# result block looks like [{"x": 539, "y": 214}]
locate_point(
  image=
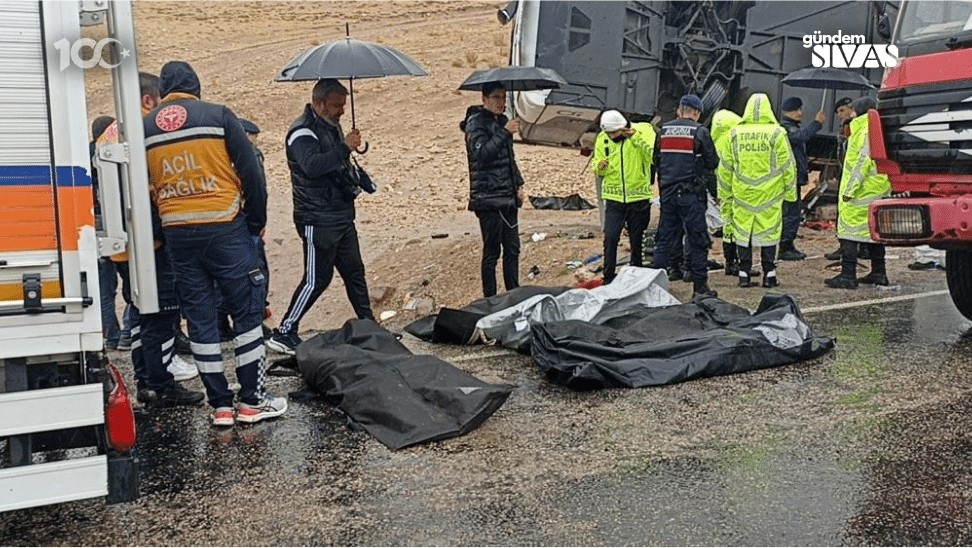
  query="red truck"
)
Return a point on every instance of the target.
[{"x": 921, "y": 137}]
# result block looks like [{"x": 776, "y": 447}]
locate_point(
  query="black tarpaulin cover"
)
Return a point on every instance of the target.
[
  {"x": 673, "y": 344},
  {"x": 399, "y": 398},
  {"x": 453, "y": 326},
  {"x": 574, "y": 202}
]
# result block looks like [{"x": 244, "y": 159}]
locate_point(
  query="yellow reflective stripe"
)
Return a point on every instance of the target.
[
  {"x": 772, "y": 153},
  {"x": 209, "y": 216},
  {"x": 741, "y": 231},
  {"x": 856, "y": 176},
  {"x": 757, "y": 209},
  {"x": 867, "y": 201},
  {"x": 183, "y": 133},
  {"x": 776, "y": 228}
]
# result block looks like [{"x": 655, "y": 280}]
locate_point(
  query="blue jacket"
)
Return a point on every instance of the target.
[{"x": 798, "y": 143}]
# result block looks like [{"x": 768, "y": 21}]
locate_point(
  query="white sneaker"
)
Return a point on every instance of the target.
[
  {"x": 268, "y": 408},
  {"x": 181, "y": 369}
]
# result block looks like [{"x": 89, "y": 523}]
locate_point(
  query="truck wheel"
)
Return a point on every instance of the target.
[{"x": 958, "y": 272}]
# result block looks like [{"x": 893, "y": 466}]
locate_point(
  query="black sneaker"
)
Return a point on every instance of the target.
[
  {"x": 285, "y": 343},
  {"x": 177, "y": 395}
]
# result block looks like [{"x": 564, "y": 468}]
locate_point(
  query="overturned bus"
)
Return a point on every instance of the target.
[{"x": 640, "y": 57}]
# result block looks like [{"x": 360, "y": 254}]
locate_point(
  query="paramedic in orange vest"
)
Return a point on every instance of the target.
[{"x": 212, "y": 200}]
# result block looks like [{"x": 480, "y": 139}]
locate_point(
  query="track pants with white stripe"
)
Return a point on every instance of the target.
[{"x": 327, "y": 248}]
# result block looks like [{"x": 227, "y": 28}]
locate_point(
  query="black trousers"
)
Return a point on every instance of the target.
[
  {"x": 767, "y": 257},
  {"x": 635, "y": 217},
  {"x": 848, "y": 258},
  {"x": 687, "y": 210},
  {"x": 791, "y": 224},
  {"x": 327, "y": 248},
  {"x": 500, "y": 230}
]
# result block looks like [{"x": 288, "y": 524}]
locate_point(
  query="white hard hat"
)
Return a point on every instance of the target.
[{"x": 612, "y": 120}]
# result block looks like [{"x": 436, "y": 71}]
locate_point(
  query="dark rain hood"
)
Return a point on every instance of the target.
[
  {"x": 473, "y": 109},
  {"x": 178, "y": 77}
]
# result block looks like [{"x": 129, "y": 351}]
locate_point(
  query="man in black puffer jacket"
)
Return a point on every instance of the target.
[
  {"x": 495, "y": 185},
  {"x": 318, "y": 154}
]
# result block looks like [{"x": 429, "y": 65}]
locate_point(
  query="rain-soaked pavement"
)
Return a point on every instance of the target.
[{"x": 868, "y": 445}]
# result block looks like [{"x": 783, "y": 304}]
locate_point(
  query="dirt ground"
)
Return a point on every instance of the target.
[{"x": 421, "y": 247}]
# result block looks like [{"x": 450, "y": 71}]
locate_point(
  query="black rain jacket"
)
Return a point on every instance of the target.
[{"x": 493, "y": 175}]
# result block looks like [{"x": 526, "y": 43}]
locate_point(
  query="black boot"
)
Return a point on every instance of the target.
[
  {"x": 732, "y": 260},
  {"x": 847, "y": 279},
  {"x": 878, "y": 274},
  {"x": 833, "y": 255},
  {"x": 790, "y": 253},
  {"x": 675, "y": 274},
  {"x": 745, "y": 280},
  {"x": 770, "y": 280},
  {"x": 701, "y": 290}
]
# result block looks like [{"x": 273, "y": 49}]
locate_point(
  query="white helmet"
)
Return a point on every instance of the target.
[{"x": 612, "y": 120}]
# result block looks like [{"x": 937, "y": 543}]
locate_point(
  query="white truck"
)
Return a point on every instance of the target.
[{"x": 67, "y": 430}]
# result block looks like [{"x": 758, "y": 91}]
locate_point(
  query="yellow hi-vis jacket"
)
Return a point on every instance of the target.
[
  {"x": 762, "y": 174},
  {"x": 627, "y": 177},
  {"x": 860, "y": 184},
  {"x": 722, "y": 122}
]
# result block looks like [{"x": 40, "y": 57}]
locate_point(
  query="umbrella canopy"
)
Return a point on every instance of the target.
[
  {"x": 826, "y": 78},
  {"x": 515, "y": 79},
  {"x": 349, "y": 58}
]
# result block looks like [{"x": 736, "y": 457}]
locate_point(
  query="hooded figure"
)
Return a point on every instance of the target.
[
  {"x": 722, "y": 122},
  {"x": 762, "y": 174},
  {"x": 212, "y": 200}
]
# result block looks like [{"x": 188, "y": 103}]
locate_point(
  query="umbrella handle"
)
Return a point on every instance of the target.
[{"x": 362, "y": 150}]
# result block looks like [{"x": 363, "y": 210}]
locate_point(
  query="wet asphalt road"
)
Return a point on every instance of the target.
[{"x": 868, "y": 445}]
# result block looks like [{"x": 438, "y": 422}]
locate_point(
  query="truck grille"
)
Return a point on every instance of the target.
[{"x": 928, "y": 128}]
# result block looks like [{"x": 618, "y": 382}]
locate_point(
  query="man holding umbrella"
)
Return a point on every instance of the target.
[
  {"x": 495, "y": 185},
  {"x": 792, "y": 116},
  {"x": 318, "y": 154}
]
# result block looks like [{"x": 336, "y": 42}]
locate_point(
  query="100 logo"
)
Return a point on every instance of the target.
[{"x": 72, "y": 52}]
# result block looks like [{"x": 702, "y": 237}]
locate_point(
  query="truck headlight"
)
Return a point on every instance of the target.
[{"x": 902, "y": 222}]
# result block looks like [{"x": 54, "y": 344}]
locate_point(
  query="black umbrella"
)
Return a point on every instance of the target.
[
  {"x": 515, "y": 79},
  {"x": 349, "y": 58},
  {"x": 826, "y": 78}
]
